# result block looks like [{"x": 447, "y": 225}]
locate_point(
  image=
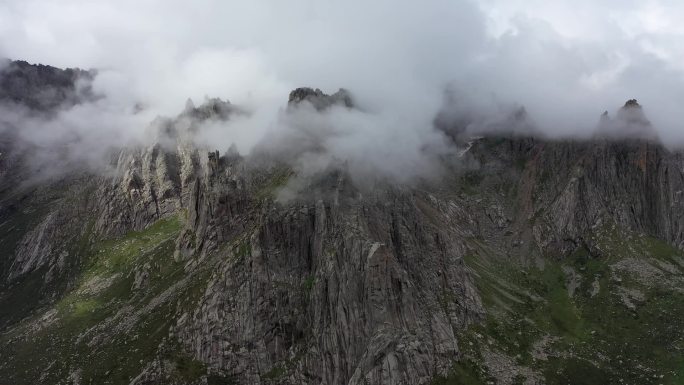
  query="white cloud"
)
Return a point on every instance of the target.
[{"x": 566, "y": 61}]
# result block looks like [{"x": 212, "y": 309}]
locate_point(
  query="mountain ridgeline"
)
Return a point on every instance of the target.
[{"x": 529, "y": 261}]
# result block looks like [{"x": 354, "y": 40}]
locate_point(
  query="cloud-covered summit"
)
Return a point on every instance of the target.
[{"x": 561, "y": 63}]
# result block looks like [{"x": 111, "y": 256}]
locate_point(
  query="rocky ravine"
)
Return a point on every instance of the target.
[{"x": 530, "y": 261}]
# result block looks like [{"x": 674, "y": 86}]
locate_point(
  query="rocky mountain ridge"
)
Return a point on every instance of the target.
[
  {"x": 41, "y": 88},
  {"x": 184, "y": 267}
]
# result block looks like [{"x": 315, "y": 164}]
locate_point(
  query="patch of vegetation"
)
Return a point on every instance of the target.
[
  {"x": 466, "y": 372},
  {"x": 244, "y": 248},
  {"x": 275, "y": 373},
  {"x": 576, "y": 372},
  {"x": 21, "y": 297},
  {"x": 470, "y": 182},
  {"x": 104, "y": 326},
  {"x": 185, "y": 368},
  {"x": 308, "y": 284},
  {"x": 593, "y": 336},
  {"x": 217, "y": 379},
  {"x": 273, "y": 183},
  {"x": 118, "y": 254},
  {"x": 521, "y": 163},
  {"x": 544, "y": 176}
]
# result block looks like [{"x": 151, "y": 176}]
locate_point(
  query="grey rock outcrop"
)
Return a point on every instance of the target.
[
  {"x": 571, "y": 187},
  {"x": 155, "y": 182},
  {"x": 337, "y": 291}
]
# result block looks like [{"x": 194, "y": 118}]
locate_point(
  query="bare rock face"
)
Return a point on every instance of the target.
[
  {"x": 146, "y": 188},
  {"x": 37, "y": 247},
  {"x": 153, "y": 182},
  {"x": 572, "y": 187},
  {"x": 332, "y": 290}
]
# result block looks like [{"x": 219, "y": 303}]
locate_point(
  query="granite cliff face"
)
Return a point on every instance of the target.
[{"x": 529, "y": 261}]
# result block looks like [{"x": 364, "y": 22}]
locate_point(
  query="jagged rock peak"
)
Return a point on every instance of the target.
[
  {"x": 630, "y": 122},
  {"x": 319, "y": 99},
  {"x": 212, "y": 108},
  {"x": 303, "y": 93},
  {"x": 189, "y": 105},
  {"x": 632, "y": 103},
  {"x": 214, "y": 159},
  {"x": 633, "y": 113}
]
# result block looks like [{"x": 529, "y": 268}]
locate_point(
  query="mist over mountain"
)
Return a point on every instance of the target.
[
  {"x": 73, "y": 128},
  {"x": 563, "y": 64},
  {"x": 386, "y": 193}
]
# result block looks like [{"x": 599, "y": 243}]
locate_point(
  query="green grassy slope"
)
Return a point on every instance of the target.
[
  {"x": 106, "y": 328},
  {"x": 613, "y": 319}
]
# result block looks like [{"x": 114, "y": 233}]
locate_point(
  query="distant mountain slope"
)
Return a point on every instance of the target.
[{"x": 42, "y": 87}]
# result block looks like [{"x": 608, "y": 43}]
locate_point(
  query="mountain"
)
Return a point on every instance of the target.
[
  {"x": 40, "y": 87},
  {"x": 530, "y": 261}
]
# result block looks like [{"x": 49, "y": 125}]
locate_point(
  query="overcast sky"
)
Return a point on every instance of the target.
[{"x": 565, "y": 61}]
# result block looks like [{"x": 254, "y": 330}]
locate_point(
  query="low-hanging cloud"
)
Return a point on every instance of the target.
[{"x": 565, "y": 62}]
